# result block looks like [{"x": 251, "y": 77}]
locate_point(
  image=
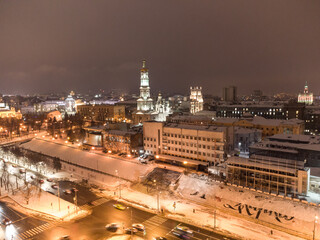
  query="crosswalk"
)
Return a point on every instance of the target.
[
  {"x": 94, "y": 203},
  {"x": 154, "y": 222},
  {"x": 37, "y": 230}
]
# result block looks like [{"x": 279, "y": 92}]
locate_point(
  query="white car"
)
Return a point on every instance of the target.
[{"x": 138, "y": 226}]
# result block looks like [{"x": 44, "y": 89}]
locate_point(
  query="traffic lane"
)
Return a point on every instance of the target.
[
  {"x": 93, "y": 225},
  {"x": 67, "y": 191},
  {"x": 20, "y": 222},
  {"x": 11, "y": 214}
]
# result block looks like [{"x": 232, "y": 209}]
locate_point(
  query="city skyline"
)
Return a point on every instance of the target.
[{"x": 51, "y": 47}]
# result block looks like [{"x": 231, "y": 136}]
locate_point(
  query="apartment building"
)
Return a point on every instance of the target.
[{"x": 102, "y": 113}]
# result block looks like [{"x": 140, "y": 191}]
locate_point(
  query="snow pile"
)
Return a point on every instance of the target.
[
  {"x": 127, "y": 170},
  {"x": 246, "y": 203}
]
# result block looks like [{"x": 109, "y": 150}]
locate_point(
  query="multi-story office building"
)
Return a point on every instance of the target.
[
  {"x": 302, "y": 148},
  {"x": 269, "y": 110},
  {"x": 102, "y": 113},
  {"x": 269, "y": 174},
  {"x": 194, "y": 144}
]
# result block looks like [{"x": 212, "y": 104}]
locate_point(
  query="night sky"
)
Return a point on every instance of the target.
[{"x": 49, "y": 45}]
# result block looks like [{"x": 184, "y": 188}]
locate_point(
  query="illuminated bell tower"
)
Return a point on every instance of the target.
[{"x": 144, "y": 103}]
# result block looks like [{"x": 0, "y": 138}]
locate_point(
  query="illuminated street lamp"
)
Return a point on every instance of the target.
[{"x": 314, "y": 227}]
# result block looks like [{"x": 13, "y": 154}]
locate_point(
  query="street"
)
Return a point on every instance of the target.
[{"x": 93, "y": 226}]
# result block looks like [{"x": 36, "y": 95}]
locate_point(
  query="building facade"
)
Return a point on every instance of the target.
[
  {"x": 305, "y": 97},
  {"x": 196, "y": 145},
  {"x": 196, "y": 100},
  {"x": 146, "y": 110},
  {"x": 229, "y": 94},
  {"x": 102, "y": 113},
  {"x": 269, "y": 174}
]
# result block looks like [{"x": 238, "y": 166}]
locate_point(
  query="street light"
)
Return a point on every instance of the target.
[
  {"x": 314, "y": 227},
  {"x": 158, "y": 199},
  {"x": 119, "y": 186},
  {"x": 131, "y": 232}
]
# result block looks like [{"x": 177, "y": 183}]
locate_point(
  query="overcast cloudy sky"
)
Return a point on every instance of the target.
[{"x": 49, "y": 45}]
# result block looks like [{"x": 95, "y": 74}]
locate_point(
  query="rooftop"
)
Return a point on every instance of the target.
[{"x": 195, "y": 127}]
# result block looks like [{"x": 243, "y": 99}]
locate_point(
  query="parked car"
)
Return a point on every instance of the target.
[
  {"x": 22, "y": 170},
  {"x": 54, "y": 186}
]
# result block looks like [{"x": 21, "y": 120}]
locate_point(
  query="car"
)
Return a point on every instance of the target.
[
  {"x": 74, "y": 189},
  {"x": 22, "y": 170},
  {"x": 113, "y": 227},
  {"x": 50, "y": 180},
  {"x": 13, "y": 165},
  {"x": 159, "y": 238},
  {"x": 32, "y": 177},
  {"x": 41, "y": 181},
  {"x": 6, "y": 221},
  {"x": 138, "y": 226},
  {"x": 184, "y": 229},
  {"x": 54, "y": 186},
  {"x": 119, "y": 206},
  {"x": 67, "y": 191},
  {"x": 131, "y": 230},
  {"x": 66, "y": 237},
  {"x": 181, "y": 234}
]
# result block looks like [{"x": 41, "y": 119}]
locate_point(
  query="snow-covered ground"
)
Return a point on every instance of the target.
[
  {"x": 113, "y": 166},
  {"x": 242, "y": 202},
  {"x": 203, "y": 216},
  {"x": 239, "y": 211}
]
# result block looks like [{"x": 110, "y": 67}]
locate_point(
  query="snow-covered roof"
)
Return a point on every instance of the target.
[
  {"x": 121, "y": 133},
  {"x": 298, "y": 138},
  {"x": 257, "y": 120},
  {"x": 98, "y": 162}
]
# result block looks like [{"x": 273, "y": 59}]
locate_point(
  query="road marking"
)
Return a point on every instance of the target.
[
  {"x": 154, "y": 221},
  {"x": 95, "y": 203},
  {"x": 37, "y": 230}
]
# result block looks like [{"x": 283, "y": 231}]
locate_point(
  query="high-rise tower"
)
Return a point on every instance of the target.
[
  {"x": 145, "y": 102},
  {"x": 196, "y": 100}
]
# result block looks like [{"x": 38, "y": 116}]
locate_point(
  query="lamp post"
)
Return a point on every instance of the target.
[
  {"x": 131, "y": 232},
  {"x": 158, "y": 197},
  {"x": 59, "y": 195},
  {"x": 314, "y": 227},
  {"x": 119, "y": 186}
]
